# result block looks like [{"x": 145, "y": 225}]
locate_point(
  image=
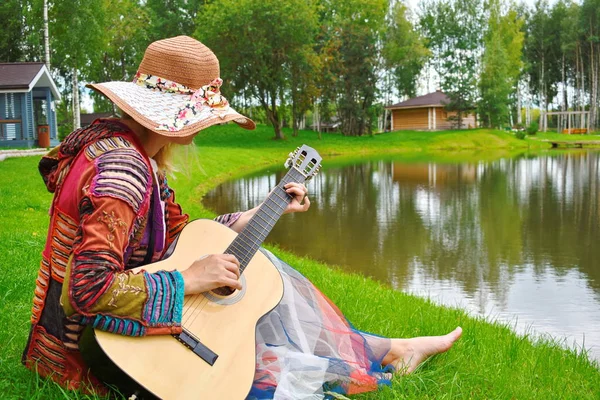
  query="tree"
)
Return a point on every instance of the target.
[
  {"x": 122, "y": 46},
  {"x": 454, "y": 36},
  {"x": 404, "y": 54},
  {"x": 589, "y": 21},
  {"x": 259, "y": 44},
  {"x": 170, "y": 18},
  {"x": 32, "y": 40},
  {"x": 76, "y": 42},
  {"x": 501, "y": 64},
  {"x": 11, "y": 16},
  {"x": 46, "y": 36},
  {"x": 564, "y": 15},
  {"x": 404, "y": 51},
  {"x": 542, "y": 54},
  {"x": 20, "y": 36},
  {"x": 305, "y": 66},
  {"x": 352, "y": 40},
  {"x": 494, "y": 84}
]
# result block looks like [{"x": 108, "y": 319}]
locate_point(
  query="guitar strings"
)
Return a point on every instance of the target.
[
  {"x": 195, "y": 304},
  {"x": 191, "y": 307}
]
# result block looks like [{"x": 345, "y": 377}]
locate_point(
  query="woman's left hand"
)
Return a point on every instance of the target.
[{"x": 300, "y": 202}]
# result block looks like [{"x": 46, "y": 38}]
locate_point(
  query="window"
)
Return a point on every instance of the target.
[
  {"x": 10, "y": 109},
  {"x": 12, "y": 106}
]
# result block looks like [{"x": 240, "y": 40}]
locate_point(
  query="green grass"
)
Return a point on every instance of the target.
[
  {"x": 564, "y": 137},
  {"x": 489, "y": 362}
]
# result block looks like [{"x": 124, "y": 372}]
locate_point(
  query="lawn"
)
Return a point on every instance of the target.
[
  {"x": 489, "y": 362},
  {"x": 563, "y": 137}
]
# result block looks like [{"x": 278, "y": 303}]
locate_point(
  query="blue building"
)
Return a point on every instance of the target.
[{"x": 27, "y": 105}]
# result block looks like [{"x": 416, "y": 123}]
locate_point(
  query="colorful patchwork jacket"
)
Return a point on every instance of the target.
[{"x": 111, "y": 212}]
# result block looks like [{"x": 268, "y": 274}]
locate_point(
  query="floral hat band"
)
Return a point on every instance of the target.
[
  {"x": 208, "y": 95},
  {"x": 179, "y": 108}
]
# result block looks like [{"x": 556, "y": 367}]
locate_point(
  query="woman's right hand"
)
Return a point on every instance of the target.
[{"x": 211, "y": 272}]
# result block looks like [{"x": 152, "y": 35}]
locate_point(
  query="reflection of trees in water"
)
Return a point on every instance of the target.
[
  {"x": 562, "y": 215},
  {"x": 472, "y": 224}
]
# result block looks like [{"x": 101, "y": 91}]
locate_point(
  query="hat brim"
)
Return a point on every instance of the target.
[{"x": 152, "y": 108}]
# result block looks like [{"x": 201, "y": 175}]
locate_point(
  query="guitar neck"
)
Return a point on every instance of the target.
[{"x": 248, "y": 241}]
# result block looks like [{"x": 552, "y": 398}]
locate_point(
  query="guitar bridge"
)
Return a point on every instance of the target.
[{"x": 197, "y": 347}]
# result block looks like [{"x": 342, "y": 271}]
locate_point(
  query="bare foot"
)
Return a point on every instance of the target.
[{"x": 406, "y": 354}]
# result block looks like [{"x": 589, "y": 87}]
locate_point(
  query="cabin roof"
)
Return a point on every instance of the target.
[
  {"x": 435, "y": 99},
  {"x": 24, "y": 76},
  {"x": 18, "y": 75}
]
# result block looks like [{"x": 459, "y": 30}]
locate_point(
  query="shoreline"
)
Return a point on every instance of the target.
[
  {"x": 315, "y": 270},
  {"x": 489, "y": 361}
]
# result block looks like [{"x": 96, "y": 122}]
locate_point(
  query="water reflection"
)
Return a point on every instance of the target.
[{"x": 514, "y": 239}]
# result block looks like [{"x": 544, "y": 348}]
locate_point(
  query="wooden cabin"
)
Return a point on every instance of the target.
[
  {"x": 427, "y": 113},
  {"x": 27, "y": 106}
]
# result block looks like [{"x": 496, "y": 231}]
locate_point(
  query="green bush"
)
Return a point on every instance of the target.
[
  {"x": 520, "y": 134},
  {"x": 532, "y": 129}
]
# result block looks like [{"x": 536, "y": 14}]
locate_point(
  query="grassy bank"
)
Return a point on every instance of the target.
[
  {"x": 490, "y": 361},
  {"x": 564, "y": 137}
]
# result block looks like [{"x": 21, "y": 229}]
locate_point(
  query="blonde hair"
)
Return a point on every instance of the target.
[{"x": 164, "y": 157}]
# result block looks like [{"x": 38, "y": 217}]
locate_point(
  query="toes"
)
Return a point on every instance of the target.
[{"x": 455, "y": 334}]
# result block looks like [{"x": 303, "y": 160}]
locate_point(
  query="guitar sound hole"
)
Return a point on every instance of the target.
[{"x": 224, "y": 291}]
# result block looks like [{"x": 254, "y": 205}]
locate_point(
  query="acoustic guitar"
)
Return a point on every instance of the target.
[{"x": 214, "y": 356}]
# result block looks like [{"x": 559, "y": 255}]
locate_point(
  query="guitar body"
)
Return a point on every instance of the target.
[{"x": 225, "y": 325}]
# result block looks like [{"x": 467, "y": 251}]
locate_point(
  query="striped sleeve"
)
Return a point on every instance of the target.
[
  {"x": 228, "y": 219},
  {"x": 97, "y": 289}
]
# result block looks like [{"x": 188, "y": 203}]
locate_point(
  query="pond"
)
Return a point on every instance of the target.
[{"x": 517, "y": 239}]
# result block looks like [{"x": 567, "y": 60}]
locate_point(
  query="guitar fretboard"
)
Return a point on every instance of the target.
[{"x": 248, "y": 241}]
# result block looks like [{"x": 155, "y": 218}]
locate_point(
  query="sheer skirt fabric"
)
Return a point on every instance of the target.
[{"x": 307, "y": 349}]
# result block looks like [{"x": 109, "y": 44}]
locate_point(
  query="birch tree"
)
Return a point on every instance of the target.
[
  {"x": 542, "y": 52},
  {"x": 46, "y": 36},
  {"x": 589, "y": 20},
  {"x": 77, "y": 27}
]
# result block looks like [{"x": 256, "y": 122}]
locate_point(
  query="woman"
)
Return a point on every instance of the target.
[{"x": 113, "y": 210}]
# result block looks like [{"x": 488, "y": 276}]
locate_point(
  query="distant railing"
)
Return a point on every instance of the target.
[{"x": 11, "y": 129}]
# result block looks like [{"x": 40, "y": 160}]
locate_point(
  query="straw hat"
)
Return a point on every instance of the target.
[{"x": 176, "y": 90}]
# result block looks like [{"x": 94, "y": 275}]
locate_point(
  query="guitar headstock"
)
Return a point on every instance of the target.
[{"x": 305, "y": 160}]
